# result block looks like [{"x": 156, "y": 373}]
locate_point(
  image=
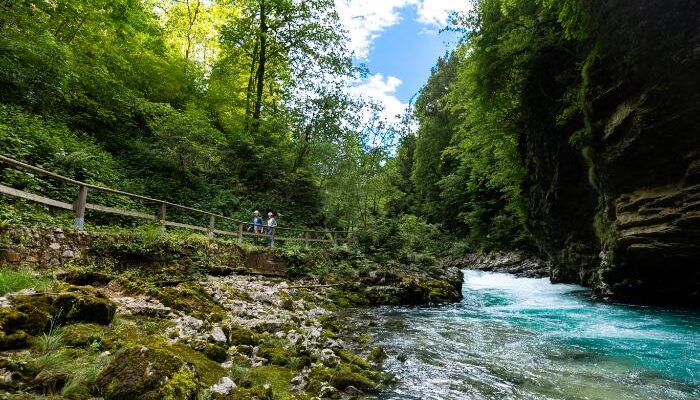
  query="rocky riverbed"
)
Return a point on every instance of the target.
[
  {"x": 220, "y": 337},
  {"x": 151, "y": 316}
]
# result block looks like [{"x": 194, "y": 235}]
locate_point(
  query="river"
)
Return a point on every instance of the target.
[{"x": 520, "y": 338}]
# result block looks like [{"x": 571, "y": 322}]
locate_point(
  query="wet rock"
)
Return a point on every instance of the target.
[{"x": 378, "y": 355}]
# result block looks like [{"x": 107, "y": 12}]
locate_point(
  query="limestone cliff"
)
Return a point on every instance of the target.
[
  {"x": 644, "y": 116},
  {"x": 623, "y": 214}
]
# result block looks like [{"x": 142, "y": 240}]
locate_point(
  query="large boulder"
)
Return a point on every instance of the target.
[
  {"x": 31, "y": 313},
  {"x": 144, "y": 373}
]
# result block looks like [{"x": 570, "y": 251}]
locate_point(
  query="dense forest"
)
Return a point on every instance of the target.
[
  {"x": 225, "y": 105},
  {"x": 530, "y": 134},
  {"x": 235, "y": 105}
]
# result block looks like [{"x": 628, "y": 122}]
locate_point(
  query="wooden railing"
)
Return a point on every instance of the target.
[{"x": 80, "y": 205}]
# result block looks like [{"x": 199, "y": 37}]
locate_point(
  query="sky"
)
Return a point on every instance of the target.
[{"x": 399, "y": 41}]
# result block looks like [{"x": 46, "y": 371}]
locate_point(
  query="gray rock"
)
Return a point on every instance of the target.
[
  {"x": 218, "y": 335},
  {"x": 225, "y": 386}
]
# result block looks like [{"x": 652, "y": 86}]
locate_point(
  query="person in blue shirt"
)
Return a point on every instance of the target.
[{"x": 257, "y": 226}]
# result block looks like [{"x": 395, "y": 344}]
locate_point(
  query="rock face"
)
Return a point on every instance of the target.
[
  {"x": 645, "y": 121},
  {"x": 623, "y": 215},
  {"x": 515, "y": 263}
]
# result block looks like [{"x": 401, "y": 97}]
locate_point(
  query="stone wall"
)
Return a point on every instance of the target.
[{"x": 46, "y": 248}]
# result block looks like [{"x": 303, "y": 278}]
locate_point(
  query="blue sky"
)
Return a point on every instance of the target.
[
  {"x": 408, "y": 51},
  {"x": 399, "y": 42}
]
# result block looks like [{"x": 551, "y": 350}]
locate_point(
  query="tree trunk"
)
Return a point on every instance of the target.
[
  {"x": 251, "y": 86},
  {"x": 260, "y": 76},
  {"x": 191, "y": 19}
]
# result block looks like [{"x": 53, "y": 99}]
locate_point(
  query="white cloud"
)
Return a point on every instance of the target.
[
  {"x": 437, "y": 12},
  {"x": 366, "y": 19},
  {"x": 383, "y": 91}
]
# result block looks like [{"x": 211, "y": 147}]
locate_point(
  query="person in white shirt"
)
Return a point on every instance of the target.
[{"x": 271, "y": 224}]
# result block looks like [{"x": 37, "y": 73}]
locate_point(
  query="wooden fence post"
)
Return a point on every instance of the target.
[
  {"x": 240, "y": 232},
  {"x": 212, "y": 222},
  {"x": 306, "y": 238},
  {"x": 335, "y": 238},
  {"x": 79, "y": 208},
  {"x": 161, "y": 216}
]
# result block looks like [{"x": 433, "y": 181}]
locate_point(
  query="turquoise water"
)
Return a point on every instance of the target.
[{"x": 519, "y": 338}]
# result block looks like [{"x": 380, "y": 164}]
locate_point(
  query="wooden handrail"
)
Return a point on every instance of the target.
[{"x": 81, "y": 205}]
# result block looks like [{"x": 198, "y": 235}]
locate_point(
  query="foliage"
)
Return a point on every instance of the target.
[
  {"x": 466, "y": 170},
  {"x": 225, "y": 106}
]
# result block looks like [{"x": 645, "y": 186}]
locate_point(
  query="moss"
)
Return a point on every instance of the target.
[
  {"x": 243, "y": 336},
  {"x": 238, "y": 294},
  {"x": 12, "y": 320},
  {"x": 208, "y": 372},
  {"x": 328, "y": 334},
  {"x": 251, "y": 393},
  {"x": 84, "y": 304},
  {"x": 344, "y": 377},
  {"x": 191, "y": 297},
  {"x": 16, "y": 340},
  {"x": 215, "y": 352},
  {"x": 84, "y": 335},
  {"x": 278, "y": 379},
  {"x": 137, "y": 373},
  {"x": 352, "y": 359},
  {"x": 72, "y": 304},
  {"x": 181, "y": 386},
  {"x": 276, "y": 353},
  {"x": 377, "y": 355},
  {"x": 344, "y": 298}
]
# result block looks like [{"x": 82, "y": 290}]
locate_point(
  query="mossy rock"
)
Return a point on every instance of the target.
[
  {"x": 84, "y": 335},
  {"x": 352, "y": 359},
  {"x": 378, "y": 355},
  {"x": 72, "y": 304},
  {"x": 12, "y": 320},
  {"x": 192, "y": 298},
  {"x": 344, "y": 377},
  {"x": 215, "y": 352},
  {"x": 243, "y": 336},
  {"x": 182, "y": 385},
  {"x": 252, "y": 393},
  {"x": 275, "y": 352},
  {"x": 85, "y": 304},
  {"x": 15, "y": 340},
  {"x": 29, "y": 313},
  {"x": 138, "y": 372}
]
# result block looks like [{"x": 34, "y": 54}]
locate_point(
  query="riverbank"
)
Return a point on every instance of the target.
[
  {"x": 517, "y": 263},
  {"x": 149, "y": 315}
]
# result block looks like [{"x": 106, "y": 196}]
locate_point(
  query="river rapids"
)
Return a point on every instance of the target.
[{"x": 520, "y": 338}]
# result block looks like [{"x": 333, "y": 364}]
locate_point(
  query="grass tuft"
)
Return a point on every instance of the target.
[{"x": 13, "y": 280}]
